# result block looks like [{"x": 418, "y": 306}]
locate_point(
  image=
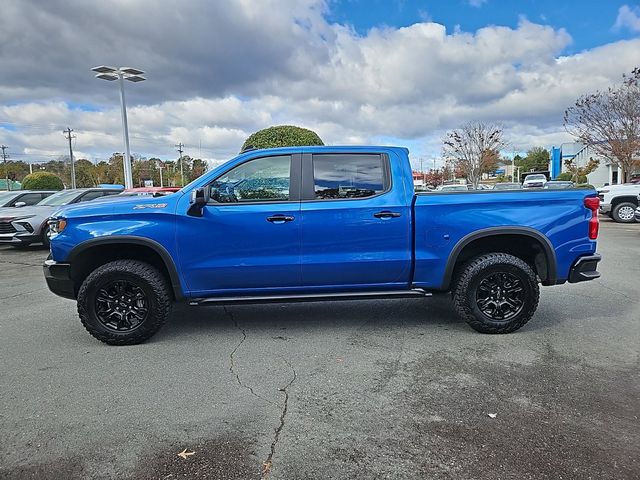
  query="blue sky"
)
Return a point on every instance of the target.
[{"x": 589, "y": 22}]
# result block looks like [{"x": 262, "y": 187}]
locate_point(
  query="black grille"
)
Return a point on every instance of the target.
[{"x": 6, "y": 227}]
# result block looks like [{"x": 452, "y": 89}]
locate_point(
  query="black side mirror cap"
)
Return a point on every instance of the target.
[{"x": 198, "y": 201}]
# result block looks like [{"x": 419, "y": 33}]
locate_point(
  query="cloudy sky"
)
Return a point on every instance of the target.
[{"x": 356, "y": 71}]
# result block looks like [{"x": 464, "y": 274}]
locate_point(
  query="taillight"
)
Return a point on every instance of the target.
[{"x": 593, "y": 203}]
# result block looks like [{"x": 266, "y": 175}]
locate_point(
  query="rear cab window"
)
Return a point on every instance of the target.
[{"x": 349, "y": 176}]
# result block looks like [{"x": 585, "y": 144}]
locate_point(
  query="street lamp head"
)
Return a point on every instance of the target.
[
  {"x": 107, "y": 76},
  {"x": 131, "y": 71},
  {"x": 104, "y": 69},
  {"x": 134, "y": 78}
]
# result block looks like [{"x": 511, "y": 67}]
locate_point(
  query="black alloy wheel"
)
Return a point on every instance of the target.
[
  {"x": 121, "y": 305},
  {"x": 500, "y": 296}
]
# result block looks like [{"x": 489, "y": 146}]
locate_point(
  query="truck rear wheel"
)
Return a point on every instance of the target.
[
  {"x": 496, "y": 293},
  {"x": 124, "y": 302}
]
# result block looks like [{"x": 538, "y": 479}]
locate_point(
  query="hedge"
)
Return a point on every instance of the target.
[
  {"x": 42, "y": 181},
  {"x": 282, "y": 136}
]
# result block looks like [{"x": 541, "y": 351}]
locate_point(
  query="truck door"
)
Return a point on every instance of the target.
[
  {"x": 356, "y": 222},
  {"x": 248, "y": 238}
]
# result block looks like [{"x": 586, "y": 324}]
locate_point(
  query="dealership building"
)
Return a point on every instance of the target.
[{"x": 606, "y": 173}]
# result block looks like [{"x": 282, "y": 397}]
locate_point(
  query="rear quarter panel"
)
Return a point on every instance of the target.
[{"x": 443, "y": 220}]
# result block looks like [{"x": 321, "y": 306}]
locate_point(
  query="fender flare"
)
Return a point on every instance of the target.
[
  {"x": 131, "y": 239},
  {"x": 549, "y": 251}
]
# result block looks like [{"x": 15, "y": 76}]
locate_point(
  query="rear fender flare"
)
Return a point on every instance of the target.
[{"x": 549, "y": 251}]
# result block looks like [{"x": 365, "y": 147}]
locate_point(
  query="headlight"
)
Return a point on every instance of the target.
[
  {"x": 57, "y": 225},
  {"x": 603, "y": 191}
]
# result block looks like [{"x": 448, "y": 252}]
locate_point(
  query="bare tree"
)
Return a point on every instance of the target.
[
  {"x": 609, "y": 122},
  {"x": 474, "y": 149}
]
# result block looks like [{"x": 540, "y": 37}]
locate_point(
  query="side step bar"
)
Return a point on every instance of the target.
[{"x": 313, "y": 297}]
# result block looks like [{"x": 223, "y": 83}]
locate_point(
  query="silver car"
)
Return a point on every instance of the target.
[
  {"x": 26, "y": 225},
  {"x": 23, "y": 198}
]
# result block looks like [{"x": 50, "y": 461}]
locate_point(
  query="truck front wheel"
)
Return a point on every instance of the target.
[
  {"x": 496, "y": 293},
  {"x": 124, "y": 302},
  {"x": 624, "y": 212}
]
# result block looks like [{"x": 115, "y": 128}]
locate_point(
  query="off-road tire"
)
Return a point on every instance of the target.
[
  {"x": 469, "y": 277},
  {"x": 147, "y": 278},
  {"x": 615, "y": 213}
]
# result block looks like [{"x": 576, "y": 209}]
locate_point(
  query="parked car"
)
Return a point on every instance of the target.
[
  {"x": 155, "y": 191},
  {"x": 23, "y": 198},
  {"x": 536, "y": 180},
  {"x": 27, "y": 225},
  {"x": 507, "y": 186},
  {"x": 558, "y": 184},
  {"x": 315, "y": 224},
  {"x": 619, "y": 201},
  {"x": 452, "y": 188}
]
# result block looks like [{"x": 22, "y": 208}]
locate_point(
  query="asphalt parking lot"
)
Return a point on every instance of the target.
[{"x": 395, "y": 389}]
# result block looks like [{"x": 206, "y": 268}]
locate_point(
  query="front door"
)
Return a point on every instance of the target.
[
  {"x": 248, "y": 238},
  {"x": 356, "y": 228}
]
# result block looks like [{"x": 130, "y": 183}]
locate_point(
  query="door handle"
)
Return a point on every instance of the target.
[
  {"x": 386, "y": 214},
  {"x": 280, "y": 219}
]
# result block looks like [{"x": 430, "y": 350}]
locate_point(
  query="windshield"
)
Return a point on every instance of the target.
[
  {"x": 61, "y": 198},
  {"x": 536, "y": 177},
  {"x": 6, "y": 196}
]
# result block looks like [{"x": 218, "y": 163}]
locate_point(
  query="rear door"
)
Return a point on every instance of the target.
[{"x": 356, "y": 221}]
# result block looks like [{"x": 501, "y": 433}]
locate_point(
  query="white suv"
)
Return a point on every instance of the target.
[
  {"x": 537, "y": 180},
  {"x": 619, "y": 201}
]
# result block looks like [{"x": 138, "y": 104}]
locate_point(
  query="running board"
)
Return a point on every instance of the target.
[{"x": 313, "y": 297}]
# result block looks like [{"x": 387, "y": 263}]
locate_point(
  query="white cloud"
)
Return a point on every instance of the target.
[
  {"x": 477, "y": 3},
  {"x": 628, "y": 17},
  {"x": 249, "y": 65}
]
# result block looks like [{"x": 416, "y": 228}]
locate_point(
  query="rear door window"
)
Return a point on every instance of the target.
[{"x": 344, "y": 176}]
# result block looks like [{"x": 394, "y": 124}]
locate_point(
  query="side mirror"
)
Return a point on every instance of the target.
[
  {"x": 198, "y": 201},
  {"x": 19, "y": 204}
]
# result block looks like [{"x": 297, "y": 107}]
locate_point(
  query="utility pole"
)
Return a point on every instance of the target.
[
  {"x": 160, "y": 167},
  {"x": 68, "y": 136},
  {"x": 6, "y": 169},
  {"x": 179, "y": 148}
]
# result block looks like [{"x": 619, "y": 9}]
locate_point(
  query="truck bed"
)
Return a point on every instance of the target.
[{"x": 445, "y": 222}]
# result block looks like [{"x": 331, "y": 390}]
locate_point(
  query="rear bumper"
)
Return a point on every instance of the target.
[
  {"x": 584, "y": 269},
  {"x": 58, "y": 277}
]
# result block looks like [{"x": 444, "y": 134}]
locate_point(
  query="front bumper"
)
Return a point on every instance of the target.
[
  {"x": 19, "y": 239},
  {"x": 584, "y": 269},
  {"x": 605, "y": 207},
  {"x": 58, "y": 277}
]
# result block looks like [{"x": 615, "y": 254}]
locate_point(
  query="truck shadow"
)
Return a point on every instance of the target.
[{"x": 273, "y": 319}]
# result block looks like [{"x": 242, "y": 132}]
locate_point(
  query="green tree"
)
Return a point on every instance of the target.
[
  {"x": 282, "y": 136},
  {"x": 578, "y": 174},
  {"x": 42, "y": 181},
  {"x": 537, "y": 160},
  {"x": 85, "y": 173}
]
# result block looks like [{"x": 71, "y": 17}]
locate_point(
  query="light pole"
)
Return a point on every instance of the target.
[{"x": 133, "y": 75}]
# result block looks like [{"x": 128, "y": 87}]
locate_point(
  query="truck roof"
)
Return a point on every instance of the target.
[{"x": 331, "y": 148}]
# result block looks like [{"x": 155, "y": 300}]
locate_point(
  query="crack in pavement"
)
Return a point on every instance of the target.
[
  {"x": 22, "y": 263},
  {"x": 232, "y": 365},
  {"x": 20, "y": 294},
  {"x": 268, "y": 463}
]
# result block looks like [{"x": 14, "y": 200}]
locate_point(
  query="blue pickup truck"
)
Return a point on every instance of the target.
[{"x": 316, "y": 224}]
